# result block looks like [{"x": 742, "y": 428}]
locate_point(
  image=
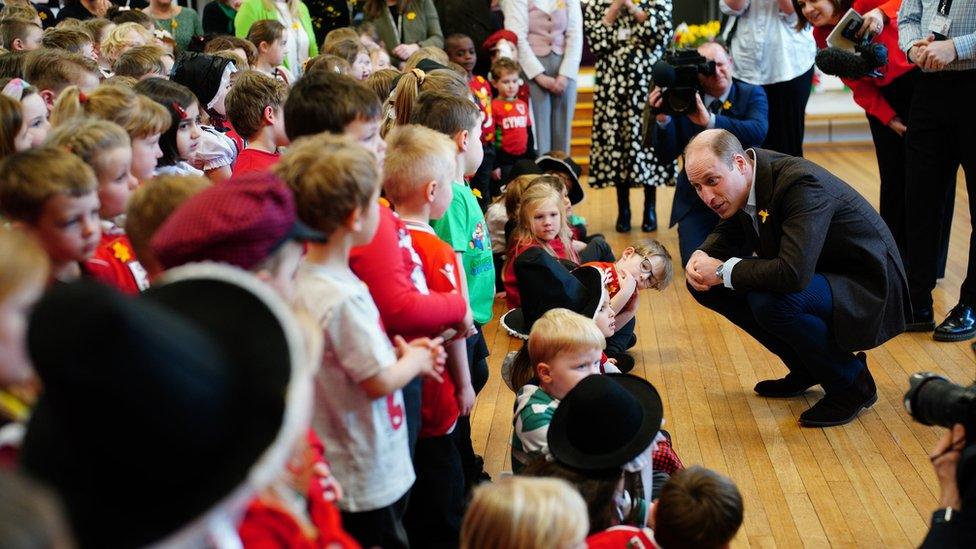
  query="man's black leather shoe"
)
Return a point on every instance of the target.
[
  {"x": 840, "y": 407},
  {"x": 789, "y": 386},
  {"x": 921, "y": 321},
  {"x": 960, "y": 325}
]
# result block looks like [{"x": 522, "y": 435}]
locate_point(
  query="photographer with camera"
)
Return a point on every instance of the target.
[
  {"x": 720, "y": 102},
  {"x": 934, "y": 400},
  {"x": 886, "y": 99},
  {"x": 939, "y": 36}
]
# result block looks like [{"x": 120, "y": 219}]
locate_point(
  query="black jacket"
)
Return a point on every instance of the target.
[{"x": 812, "y": 222}]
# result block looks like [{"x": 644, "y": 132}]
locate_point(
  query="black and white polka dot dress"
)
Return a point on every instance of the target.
[{"x": 625, "y": 53}]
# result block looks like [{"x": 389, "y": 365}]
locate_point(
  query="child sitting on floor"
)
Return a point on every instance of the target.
[
  {"x": 541, "y": 224},
  {"x": 528, "y": 513},
  {"x": 565, "y": 347},
  {"x": 697, "y": 508},
  {"x": 641, "y": 266}
]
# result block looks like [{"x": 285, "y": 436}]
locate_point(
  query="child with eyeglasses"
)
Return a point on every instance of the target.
[{"x": 641, "y": 266}]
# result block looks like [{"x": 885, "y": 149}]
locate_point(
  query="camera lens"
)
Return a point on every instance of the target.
[{"x": 933, "y": 400}]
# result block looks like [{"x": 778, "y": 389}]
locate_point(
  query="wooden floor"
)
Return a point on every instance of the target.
[{"x": 866, "y": 484}]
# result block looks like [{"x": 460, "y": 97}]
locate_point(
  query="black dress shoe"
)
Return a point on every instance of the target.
[
  {"x": 840, "y": 407},
  {"x": 623, "y": 221},
  {"x": 790, "y": 386},
  {"x": 960, "y": 325},
  {"x": 921, "y": 321}
]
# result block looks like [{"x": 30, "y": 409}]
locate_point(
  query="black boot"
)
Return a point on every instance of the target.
[
  {"x": 649, "y": 221},
  {"x": 623, "y": 208}
]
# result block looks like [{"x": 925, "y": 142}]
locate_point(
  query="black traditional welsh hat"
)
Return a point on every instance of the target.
[
  {"x": 162, "y": 415},
  {"x": 569, "y": 167},
  {"x": 546, "y": 283},
  {"x": 605, "y": 422}
]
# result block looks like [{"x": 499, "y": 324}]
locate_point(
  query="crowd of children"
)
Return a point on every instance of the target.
[{"x": 384, "y": 210}]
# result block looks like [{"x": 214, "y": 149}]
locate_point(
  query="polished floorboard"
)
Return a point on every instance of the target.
[{"x": 865, "y": 484}]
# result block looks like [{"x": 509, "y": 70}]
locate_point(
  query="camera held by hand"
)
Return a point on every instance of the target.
[
  {"x": 934, "y": 400},
  {"x": 677, "y": 76}
]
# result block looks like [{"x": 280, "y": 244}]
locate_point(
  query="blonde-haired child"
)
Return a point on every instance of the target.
[
  {"x": 378, "y": 58},
  {"x": 527, "y": 513},
  {"x": 420, "y": 166},
  {"x": 105, "y": 147},
  {"x": 121, "y": 38},
  {"x": 541, "y": 223},
  {"x": 53, "y": 195},
  {"x": 564, "y": 347},
  {"x": 141, "y": 117}
]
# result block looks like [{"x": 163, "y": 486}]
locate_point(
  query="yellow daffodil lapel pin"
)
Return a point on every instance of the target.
[{"x": 763, "y": 214}]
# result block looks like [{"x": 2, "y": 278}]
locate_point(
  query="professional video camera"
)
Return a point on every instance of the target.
[
  {"x": 677, "y": 76},
  {"x": 934, "y": 400}
]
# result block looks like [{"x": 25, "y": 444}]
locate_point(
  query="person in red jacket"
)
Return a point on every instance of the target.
[{"x": 885, "y": 99}]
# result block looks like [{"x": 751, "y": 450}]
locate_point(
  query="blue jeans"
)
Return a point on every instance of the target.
[{"x": 796, "y": 327}]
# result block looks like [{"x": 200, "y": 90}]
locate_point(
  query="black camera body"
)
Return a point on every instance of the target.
[
  {"x": 677, "y": 76},
  {"x": 934, "y": 400}
]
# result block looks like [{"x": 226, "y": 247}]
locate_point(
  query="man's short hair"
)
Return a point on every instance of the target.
[
  {"x": 28, "y": 179},
  {"x": 698, "y": 508},
  {"x": 13, "y": 29},
  {"x": 562, "y": 331},
  {"x": 247, "y": 99},
  {"x": 326, "y": 102},
  {"x": 140, "y": 61},
  {"x": 67, "y": 39},
  {"x": 721, "y": 143},
  {"x": 331, "y": 176},
  {"x": 415, "y": 156},
  {"x": 446, "y": 113},
  {"x": 54, "y": 70}
]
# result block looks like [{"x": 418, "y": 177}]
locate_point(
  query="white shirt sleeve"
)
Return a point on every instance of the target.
[
  {"x": 724, "y": 8},
  {"x": 516, "y": 14},
  {"x": 727, "y": 271},
  {"x": 573, "y": 52}
]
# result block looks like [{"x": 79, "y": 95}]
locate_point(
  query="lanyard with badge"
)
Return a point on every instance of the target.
[{"x": 940, "y": 21}]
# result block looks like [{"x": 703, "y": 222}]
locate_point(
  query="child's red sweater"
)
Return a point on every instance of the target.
[{"x": 391, "y": 269}]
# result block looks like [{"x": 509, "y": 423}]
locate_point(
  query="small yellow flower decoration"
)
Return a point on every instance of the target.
[
  {"x": 411, "y": 15},
  {"x": 763, "y": 214},
  {"x": 692, "y": 36},
  {"x": 476, "y": 193},
  {"x": 727, "y": 105},
  {"x": 121, "y": 252}
]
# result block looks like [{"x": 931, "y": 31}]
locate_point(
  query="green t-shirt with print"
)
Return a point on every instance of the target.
[{"x": 463, "y": 227}]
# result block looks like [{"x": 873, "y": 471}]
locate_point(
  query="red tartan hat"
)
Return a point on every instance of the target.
[{"x": 241, "y": 222}]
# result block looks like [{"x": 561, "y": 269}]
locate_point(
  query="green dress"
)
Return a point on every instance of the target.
[{"x": 183, "y": 27}]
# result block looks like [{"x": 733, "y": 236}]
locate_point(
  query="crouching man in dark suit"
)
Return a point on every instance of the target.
[
  {"x": 825, "y": 279},
  {"x": 724, "y": 103}
]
